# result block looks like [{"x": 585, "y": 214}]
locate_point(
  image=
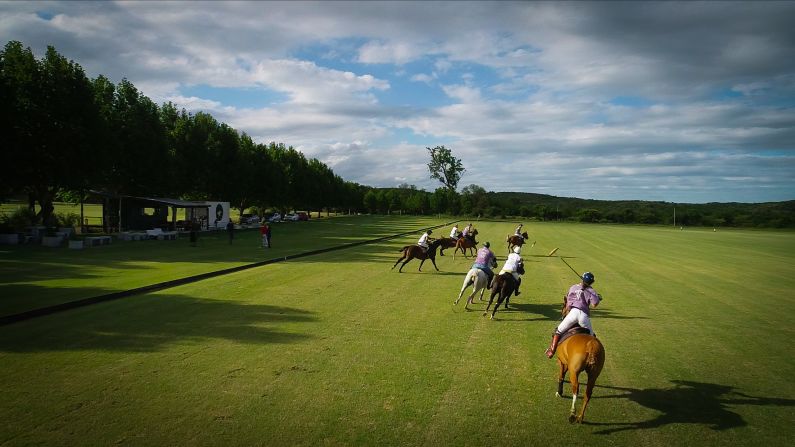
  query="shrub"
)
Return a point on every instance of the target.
[
  {"x": 67, "y": 220},
  {"x": 20, "y": 219}
]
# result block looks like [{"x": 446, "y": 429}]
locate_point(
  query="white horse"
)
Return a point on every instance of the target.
[{"x": 479, "y": 280}]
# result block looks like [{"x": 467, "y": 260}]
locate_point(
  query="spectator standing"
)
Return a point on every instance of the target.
[
  {"x": 263, "y": 231},
  {"x": 230, "y": 229}
]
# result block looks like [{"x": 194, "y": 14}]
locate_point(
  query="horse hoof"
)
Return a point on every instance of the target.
[
  {"x": 572, "y": 418},
  {"x": 557, "y": 394}
]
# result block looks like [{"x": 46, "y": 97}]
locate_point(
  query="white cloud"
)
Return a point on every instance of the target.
[{"x": 524, "y": 92}]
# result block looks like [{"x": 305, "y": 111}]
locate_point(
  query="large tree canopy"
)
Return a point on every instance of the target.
[{"x": 445, "y": 167}]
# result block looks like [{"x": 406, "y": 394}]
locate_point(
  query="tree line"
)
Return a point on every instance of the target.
[
  {"x": 474, "y": 201},
  {"x": 64, "y": 134}
]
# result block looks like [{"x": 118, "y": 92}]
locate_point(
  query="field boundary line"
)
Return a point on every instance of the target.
[{"x": 35, "y": 313}]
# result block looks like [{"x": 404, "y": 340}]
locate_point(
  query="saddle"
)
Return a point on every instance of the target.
[{"x": 574, "y": 331}]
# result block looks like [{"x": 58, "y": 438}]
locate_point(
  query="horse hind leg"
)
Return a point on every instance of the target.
[
  {"x": 404, "y": 264},
  {"x": 588, "y": 390},
  {"x": 491, "y": 300},
  {"x": 467, "y": 282},
  {"x": 398, "y": 261},
  {"x": 561, "y": 374},
  {"x": 575, "y": 388}
]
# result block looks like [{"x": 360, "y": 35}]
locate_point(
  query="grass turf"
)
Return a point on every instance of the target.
[
  {"x": 32, "y": 277},
  {"x": 336, "y": 349}
]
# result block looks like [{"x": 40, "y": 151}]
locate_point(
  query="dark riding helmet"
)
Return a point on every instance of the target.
[
  {"x": 429, "y": 231},
  {"x": 588, "y": 278},
  {"x": 487, "y": 245}
]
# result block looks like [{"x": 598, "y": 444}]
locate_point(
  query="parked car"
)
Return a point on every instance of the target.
[
  {"x": 249, "y": 219},
  {"x": 275, "y": 217},
  {"x": 302, "y": 215},
  {"x": 291, "y": 217}
]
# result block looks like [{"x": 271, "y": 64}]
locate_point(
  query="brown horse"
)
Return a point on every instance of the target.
[
  {"x": 446, "y": 242},
  {"x": 515, "y": 240},
  {"x": 580, "y": 352},
  {"x": 503, "y": 285},
  {"x": 415, "y": 251},
  {"x": 464, "y": 243}
]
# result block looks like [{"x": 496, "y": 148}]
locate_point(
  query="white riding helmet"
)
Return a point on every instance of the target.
[{"x": 517, "y": 249}]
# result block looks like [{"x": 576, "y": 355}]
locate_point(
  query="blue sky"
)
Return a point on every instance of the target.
[{"x": 678, "y": 102}]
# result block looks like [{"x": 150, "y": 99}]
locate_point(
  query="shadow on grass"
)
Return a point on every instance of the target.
[
  {"x": 687, "y": 403},
  {"x": 151, "y": 322},
  {"x": 549, "y": 311}
]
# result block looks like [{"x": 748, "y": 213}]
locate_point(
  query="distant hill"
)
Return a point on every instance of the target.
[{"x": 769, "y": 214}]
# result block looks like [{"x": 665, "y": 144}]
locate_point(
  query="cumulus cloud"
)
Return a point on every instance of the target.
[{"x": 662, "y": 101}]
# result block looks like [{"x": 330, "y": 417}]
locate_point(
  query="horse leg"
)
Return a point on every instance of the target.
[
  {"x": 500, "y": 299},
  {"x": 433, "y": 261},
  {"x": 398, "y": 261},
  {"x": 575, "y": 388},
  {"x": 421, "y": 262},
  {"x": 561, "y": 373},
  {"x": 467, "y": 282},
  {"x": 588, "y": 390},
  {"x": 400, "y": 270},
  {"x": 491, "y": 299}
]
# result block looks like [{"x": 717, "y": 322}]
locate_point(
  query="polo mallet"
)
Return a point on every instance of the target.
[
  {"x": 572, "y": 268},
  {"x": 552, "y": 252}
]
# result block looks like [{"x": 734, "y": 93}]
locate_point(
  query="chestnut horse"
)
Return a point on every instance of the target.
[
  {"x": 515, "y": 240},
  {"x": 464, "y": 243},
  {"x": 503, "y": 285},
  {"x": 415, "y": 251},
  {"x": 580, "y": 352}
]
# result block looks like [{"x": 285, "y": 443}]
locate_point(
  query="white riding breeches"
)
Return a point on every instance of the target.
[{"x": 575, "y": 316}]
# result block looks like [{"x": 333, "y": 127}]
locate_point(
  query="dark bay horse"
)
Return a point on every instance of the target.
[
  {"x": 580, "y": 352},
  {"x": 415, "y": 251},
  {"x": 446, "y": 242},
  {"x": 515, "y": 240},
  {"x": 464, "y": 243},
  {"x": 503, "y": 287}
]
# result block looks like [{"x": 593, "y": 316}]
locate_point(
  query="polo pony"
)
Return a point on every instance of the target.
[
  {"x": 515, "y": 240},
  {"x": 479, "y": 281},
  {"x": 503, "y": 286},
  {"x": 415, "y": 251},
  {"x": 446, "y": 242},
  {"x": 577, "y": 353},
  {"x": 466, "y": 243}
]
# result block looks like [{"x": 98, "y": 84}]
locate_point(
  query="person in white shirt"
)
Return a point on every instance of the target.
[
  {"x": 454, "y": 232},
  {"x": 423, "y": 242},
  {"x": 512, "y": 265}
]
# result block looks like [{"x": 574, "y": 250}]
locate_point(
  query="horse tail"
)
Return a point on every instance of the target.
[
  {"x": 508, "y": 239},
  {"x": 594, "y": 352}
]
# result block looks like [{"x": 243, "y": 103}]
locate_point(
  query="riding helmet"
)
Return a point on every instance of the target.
[
  {"x": 588, "y": 278},
  {"x": 517, "y": 249},
  {"x": 429, "y": 231},
  {"x": 487, "y": 245}
]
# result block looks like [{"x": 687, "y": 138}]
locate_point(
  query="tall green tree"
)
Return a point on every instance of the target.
[
  {"x": 50, "y": 120},
  {"x": 445, "y": 167}
]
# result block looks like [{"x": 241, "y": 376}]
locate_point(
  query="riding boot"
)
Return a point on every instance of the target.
[
  {"x": 553, "y": 346},
  {"x": 518, "y": 283}
]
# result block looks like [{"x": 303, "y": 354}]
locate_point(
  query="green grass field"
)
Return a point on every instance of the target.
[{"x": 337, "y": 349}]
